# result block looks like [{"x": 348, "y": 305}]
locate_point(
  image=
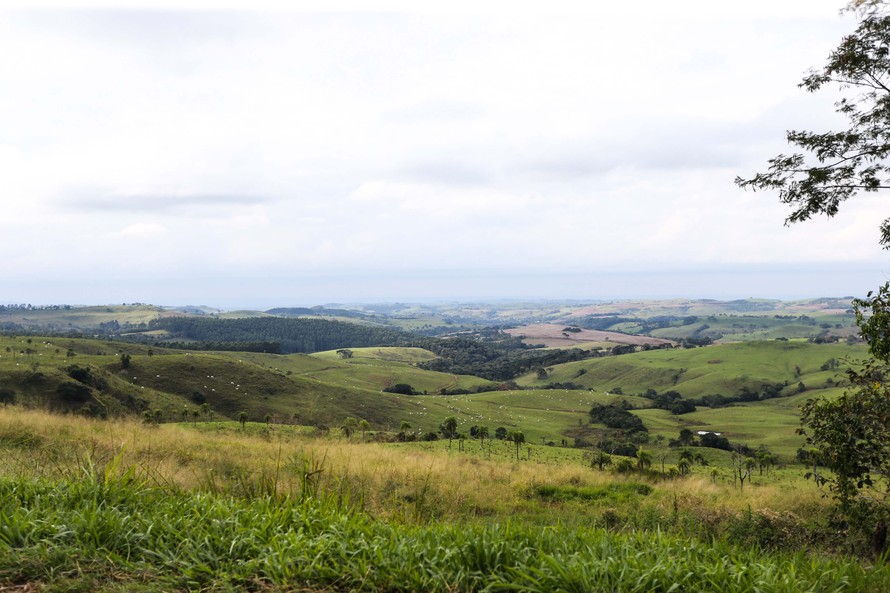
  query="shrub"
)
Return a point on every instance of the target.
[
  {"x": 72, "y": 392},
  {"x": 401, "y": 388}
]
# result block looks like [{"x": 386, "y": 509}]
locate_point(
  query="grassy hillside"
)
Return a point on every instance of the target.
[
  {"x": 540, "y": 414},
  {"x": 378, "y": 368},
  {"x": 326, "y": 388},
  {"x": 170, "y": 382},
  {"x": 721, "y": 369},
  {"x": 64, "y": 318}
]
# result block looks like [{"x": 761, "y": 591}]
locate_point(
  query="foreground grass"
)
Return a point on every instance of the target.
[
  {"x": 113, "y": 533},
  {"x": 402, "y": 481},
  {"x": 121, "y": 506}
]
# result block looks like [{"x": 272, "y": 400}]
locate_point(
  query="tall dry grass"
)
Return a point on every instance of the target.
[{"x": 388, "y": 481}]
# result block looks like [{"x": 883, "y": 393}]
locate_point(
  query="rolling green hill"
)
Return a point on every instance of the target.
[
  {"x": 89, "y": 377},
  {"x": 721, "y": 369}
]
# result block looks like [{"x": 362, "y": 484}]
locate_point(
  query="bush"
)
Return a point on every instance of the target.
[
  {"x": 401, "y": 388},
  {"x": 7, "y": 397},
  {"x": 616, "y": 417},
  {"x": 72, "y": 392},
  {"x": 85, "y": 375}
]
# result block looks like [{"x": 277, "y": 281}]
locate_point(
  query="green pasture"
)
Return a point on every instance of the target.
[
  {"x": 384, "y": 353},
  {"x": 719, "y": 369},
  {"x": 82, "y": 317},
  {"x": 773, "y": 423},
  {"x": 378, "y": 368},
  {"x": 174, "y": 383},
  {"x": 370, "y": 369},
  {"x": 541, "y": 413},
  {"x": 325, "y": 388}
]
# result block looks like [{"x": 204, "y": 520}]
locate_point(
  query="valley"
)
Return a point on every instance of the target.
[{"x": 597, "y": 433}]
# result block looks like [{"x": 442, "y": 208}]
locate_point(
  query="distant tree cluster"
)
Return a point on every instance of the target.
[
  {"x": 495, "y": 356},
  {"x": 616, "y": 416},
  {"x": 267, "y": 347},
  {"x": 289, "y": 334},
  {"x": 671, "y": 401},
  {"x": 401, "y": 388},
  {"x": 711, "y": 440}
]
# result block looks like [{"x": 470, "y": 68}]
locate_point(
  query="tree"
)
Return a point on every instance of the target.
[
  {"x": 839, "y": 165},
  {"x": 482, "y": 433},
  {"x": 404, "y": 427},
  {"x": 685, "y": 462},
  {"x": 600, "y": 459},
  {"x": 242, "y": 418},
  {"x": 401, "y": 388},
  {"x": 125, "y": 361},
  {"x": 348, "y": 426},
  {"x": 518, "y": 438},
  {"x": 765, "y": 459},
  {"x": 849, "y": 435},
  {"x": 364, "y": 426},
  {"x": 687, "y": 437},
  {"x": 449, "y": 428},
  {"x": 644, "y": 460},
  {"x": 741, "y": 468}
]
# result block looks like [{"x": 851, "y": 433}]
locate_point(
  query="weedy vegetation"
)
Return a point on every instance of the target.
[{"x": 118, "y": 505}]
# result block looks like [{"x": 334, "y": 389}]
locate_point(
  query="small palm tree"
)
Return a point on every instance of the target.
[
  {"x": 644, "y": 460},
  {"x": 683, "y": 466},
  {"x": 518, "y": 438},
  {"x": 685, "y": 462},
  {"x": 242, "y": 418},
  {"x": 348, "y": 426},
  {"x": 449, "y": 427},
  {"x": 482, "y": 433},
  {"x": 600, "y": 459},
  {"x": 364, "y": 426}
]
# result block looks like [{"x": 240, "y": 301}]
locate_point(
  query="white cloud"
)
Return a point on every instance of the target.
[
  {"x": 459, "y": 137},
  {"x": 141, "y": 230}
]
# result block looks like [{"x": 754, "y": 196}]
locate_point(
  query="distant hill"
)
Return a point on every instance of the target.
[
  {"x": 320, "y": 312},
  {"x": 280, "y": 335}
]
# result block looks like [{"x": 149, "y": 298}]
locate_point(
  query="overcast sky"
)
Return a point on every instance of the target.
[{"x": 234, "y": 156}]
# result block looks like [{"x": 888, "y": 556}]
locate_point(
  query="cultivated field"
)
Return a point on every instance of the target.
[{"x": 556, "y": 336}]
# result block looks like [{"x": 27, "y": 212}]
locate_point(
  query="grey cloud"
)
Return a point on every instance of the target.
[
  {"x": 654, "y": 146},
  {"x": 155, "y": 202},
  {"x": 445, "y": 172},
  {"x": 148, "y": 30}
]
